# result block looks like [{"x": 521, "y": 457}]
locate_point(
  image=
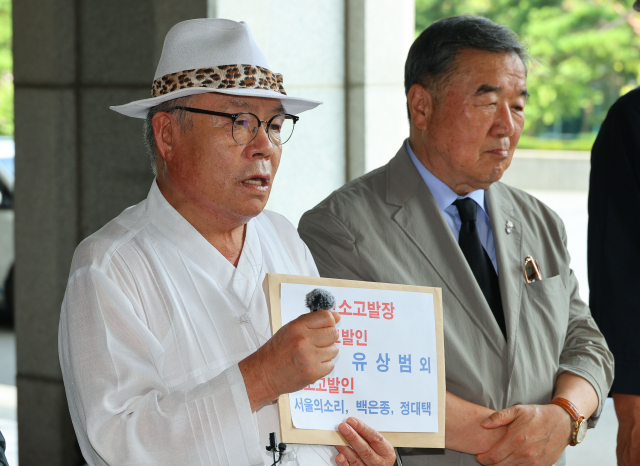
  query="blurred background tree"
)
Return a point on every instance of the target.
[
  {"x": 6, "y": 68},
  {"x": 587, "y": 54}
]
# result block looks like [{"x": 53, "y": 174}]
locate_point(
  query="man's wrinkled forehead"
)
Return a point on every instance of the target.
[
  {"x": 237, "y": 104},
  {"x": 273, "y": 106},
  {"x": 472, "y": 65}
]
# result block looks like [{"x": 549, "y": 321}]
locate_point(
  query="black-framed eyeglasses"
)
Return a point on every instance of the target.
[{"x": 246, "y": 125}]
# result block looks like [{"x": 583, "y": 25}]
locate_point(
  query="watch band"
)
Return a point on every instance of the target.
[
  {"x": 576, "y": 416},
  {"x": 568, "y": 406}
]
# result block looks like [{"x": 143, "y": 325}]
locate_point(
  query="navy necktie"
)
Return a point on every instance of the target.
[{"x": 479, "y": 260}]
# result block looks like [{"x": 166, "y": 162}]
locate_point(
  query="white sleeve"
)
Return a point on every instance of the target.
[{"x": 123, "y": 412}]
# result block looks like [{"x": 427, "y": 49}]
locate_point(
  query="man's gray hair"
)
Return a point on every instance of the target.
[
  {"x": 432, "y": 56},
  {"x": 181, "y": 117}
]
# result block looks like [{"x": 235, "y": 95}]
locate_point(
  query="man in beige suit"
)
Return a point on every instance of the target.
[{"x": 524, "y": 358}]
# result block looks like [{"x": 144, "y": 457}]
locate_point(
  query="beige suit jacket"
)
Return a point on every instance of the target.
[{"x": 386, "y": 227}]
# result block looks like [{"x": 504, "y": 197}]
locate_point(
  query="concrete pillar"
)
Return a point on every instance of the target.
[
  {"x": 303, "y": 40},
  {"x": 78, "y": 165},
  {"x": 379, "y": 34}
]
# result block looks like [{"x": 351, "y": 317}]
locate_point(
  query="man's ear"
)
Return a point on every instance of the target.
[
  {"x": 420, "y": 102},
  {"x": 164, "y": 132}
]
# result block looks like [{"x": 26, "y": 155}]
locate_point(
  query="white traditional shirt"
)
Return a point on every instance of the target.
[{"x": 153, "y": 325}]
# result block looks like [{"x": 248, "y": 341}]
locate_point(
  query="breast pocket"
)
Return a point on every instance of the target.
[
  {"x": 546, "y": 287},
  {"x": 545, "y": 315}
]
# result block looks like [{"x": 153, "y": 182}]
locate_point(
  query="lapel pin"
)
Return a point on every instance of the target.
[{"x": 508, "y": 227}]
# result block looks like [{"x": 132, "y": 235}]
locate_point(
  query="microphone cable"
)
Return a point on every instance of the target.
[{"x": 272, "y": 448}]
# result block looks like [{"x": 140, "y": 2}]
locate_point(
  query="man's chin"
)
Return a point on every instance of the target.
[
  {"x": 496, "y": 174},
  {"x": 488, "y": 181},
  {"x": 252, "y": 208}
]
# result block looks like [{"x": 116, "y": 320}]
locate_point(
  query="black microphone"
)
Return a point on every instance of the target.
[
  {"x": 273, "y": 449},
  {"x": 319, "y": 300},
  {"x": 272, "y": 442}
]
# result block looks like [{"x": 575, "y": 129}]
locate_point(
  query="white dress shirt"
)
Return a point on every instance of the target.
[
  {"x": 445, "y": 197},
  {"x": 153, "y": 325}
]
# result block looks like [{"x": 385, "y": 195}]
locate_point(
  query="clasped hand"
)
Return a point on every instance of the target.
[{"x": 536, "y": 436}]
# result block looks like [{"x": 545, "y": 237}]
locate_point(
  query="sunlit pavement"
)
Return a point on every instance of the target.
[
  {"x": 8, "y": 424},
  {"x": 8, "y": 398},
  {"x": 598, "y": 449}
]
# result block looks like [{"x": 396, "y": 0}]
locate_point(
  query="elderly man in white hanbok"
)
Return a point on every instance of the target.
[{"x": 164, "y": 339}]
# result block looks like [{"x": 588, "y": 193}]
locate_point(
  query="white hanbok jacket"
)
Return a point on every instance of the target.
[{"x": 153, "y": 325}]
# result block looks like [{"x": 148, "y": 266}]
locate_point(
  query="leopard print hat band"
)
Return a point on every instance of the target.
[
  {"x": 220, "y": 77},
  {"x": 186, "y": 67}
]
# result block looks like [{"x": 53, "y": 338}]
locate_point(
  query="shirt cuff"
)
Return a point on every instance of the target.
[{"x": 586, "y": 371}]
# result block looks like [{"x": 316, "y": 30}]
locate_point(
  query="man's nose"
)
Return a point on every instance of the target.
[
  {"x": 261, "y": 142},
  {"x": 503, "y": 125}
]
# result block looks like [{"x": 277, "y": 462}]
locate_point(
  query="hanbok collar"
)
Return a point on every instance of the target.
[{"x": 241, "y": 280}]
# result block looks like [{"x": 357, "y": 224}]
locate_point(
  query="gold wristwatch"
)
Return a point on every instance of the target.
[{"x": 579, "y": 422}]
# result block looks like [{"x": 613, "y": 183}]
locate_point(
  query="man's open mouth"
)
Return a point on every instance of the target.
[{"x": 257, "y": 181}]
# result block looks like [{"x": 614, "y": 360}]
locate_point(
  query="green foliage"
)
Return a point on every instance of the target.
[
  {"x": 584, "y": 142},
  {"x": 6, "y": 68},
  {"x": 586, "y": 52}
]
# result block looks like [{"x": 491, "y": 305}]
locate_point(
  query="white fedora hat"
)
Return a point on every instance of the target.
[{"x": 213, "y": 55}]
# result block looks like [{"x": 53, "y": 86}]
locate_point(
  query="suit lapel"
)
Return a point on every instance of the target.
[
  {"x": 422, "y": 221},
  {"x": 510, "y": 258}
]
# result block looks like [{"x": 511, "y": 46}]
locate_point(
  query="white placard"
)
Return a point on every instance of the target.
[{"x": 387, "y": 365}]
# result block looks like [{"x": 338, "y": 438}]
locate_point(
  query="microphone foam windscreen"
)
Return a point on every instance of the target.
[{"x": 320, "y": 300}]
